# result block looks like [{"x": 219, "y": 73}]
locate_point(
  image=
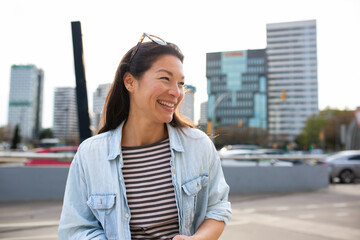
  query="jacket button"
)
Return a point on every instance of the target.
[{"x": 126, "y": 215}]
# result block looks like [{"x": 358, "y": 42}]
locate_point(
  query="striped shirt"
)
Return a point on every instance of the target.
[{"x": 150, "y": 192}]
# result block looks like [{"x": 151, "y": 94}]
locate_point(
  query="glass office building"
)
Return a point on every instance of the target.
[
  {"x": 66, "y": 123},
  {"x": 236, "y": 87},
  {"x": 292, "y": 77},
  {"x": 26, "y": 99}
]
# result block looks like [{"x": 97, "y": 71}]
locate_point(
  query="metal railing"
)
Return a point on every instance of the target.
[
  {"x": 21, "y": 157},
  {"x": 297, "y": 159}
]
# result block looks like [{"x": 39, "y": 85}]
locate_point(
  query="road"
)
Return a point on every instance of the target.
[{"x": 332, "y": 213}]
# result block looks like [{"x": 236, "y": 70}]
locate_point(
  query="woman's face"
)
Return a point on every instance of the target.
[{"x": 159, "y": 91}]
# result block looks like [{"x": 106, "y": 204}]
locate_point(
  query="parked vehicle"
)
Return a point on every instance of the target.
[
  {"x": 270, "y": 161},
  {"x": 51, "y": 161},
  {"x": 344, "y": 165}
]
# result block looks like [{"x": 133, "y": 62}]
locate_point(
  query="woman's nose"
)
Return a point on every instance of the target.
[{"x": 175, "y": 90}]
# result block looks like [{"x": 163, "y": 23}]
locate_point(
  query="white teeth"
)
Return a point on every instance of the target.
[{"x": 167, "y": 104}]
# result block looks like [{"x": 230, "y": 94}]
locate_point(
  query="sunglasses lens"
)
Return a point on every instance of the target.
[
  {"x": 156, "y": 40},
  {"x": 152, "y": 38}
]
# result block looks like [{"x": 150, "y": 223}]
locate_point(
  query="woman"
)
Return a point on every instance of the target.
[{"x": 148, "y": 174}]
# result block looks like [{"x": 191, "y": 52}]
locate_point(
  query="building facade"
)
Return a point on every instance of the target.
[
  {"x": 203, "y": 114},
  {"x": 99, "y": 98},
  {"x": 26, "y": 99},
  {"x": 236, "y": 87},
  {"x": 292, "y": 77},
  {"x": 187, "y": 106},
  {"x": 65, "y": 119}
]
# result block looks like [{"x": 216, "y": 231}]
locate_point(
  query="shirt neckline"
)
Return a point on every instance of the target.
[{"x": 145, "y": 146}]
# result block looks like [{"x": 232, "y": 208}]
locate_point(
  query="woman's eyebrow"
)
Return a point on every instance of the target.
[
  {"x": 163, "y": 70},
  {"x": 168, "y": 72}
]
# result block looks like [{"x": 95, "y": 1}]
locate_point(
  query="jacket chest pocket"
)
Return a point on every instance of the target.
[
  {"x": 102, "y": 206},
  {"x": 191, "y": 190}
]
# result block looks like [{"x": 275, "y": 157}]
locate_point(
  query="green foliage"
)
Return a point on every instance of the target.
[
  {"x": 46, "y": 133},
  {"x": 16, "y": 138},
  {"x": 323, "y": 130},
  {"x": 234, "y": 134}
]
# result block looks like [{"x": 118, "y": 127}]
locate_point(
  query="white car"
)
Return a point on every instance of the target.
[{"x": 344, "y": 165}]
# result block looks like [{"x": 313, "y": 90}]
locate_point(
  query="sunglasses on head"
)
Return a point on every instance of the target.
[{"x": 153, "y": 38}]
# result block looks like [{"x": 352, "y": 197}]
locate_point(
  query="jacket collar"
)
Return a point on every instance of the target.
[{"x": 116, "y": 134}]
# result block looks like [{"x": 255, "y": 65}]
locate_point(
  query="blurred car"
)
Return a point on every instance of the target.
[
  {"x": 255, "y": 163},
  {"x": 239, "y": 147},
  {"x": 269, "y": 151},
  {"x": 51, "y": 161},
  {"x": 227, "y": 156},
  {"x": 344, "y": 165}
]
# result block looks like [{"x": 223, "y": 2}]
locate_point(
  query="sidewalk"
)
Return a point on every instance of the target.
[{"x": 326, "y": 214}]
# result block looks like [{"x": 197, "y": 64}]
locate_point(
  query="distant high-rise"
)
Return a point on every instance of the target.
[
  {"x": 99, "y": 98},
  {"x": 26, "y": 99},
  {"x": 203, "y": 114},
  {"x": 65, "y": 115},
  {"x": 292, "y": 76},
  {"x": 236, "y": 86},
  {"x": 187, "y": 106}
]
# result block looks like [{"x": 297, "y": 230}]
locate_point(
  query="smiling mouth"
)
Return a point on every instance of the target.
[{"x": 167, "y": 104}]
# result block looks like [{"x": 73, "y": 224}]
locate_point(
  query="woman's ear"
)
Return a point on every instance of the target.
[{"x": 129, "y": 81}]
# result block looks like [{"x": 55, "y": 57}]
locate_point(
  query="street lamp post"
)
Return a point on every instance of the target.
[{"x": 218, "y": 100}]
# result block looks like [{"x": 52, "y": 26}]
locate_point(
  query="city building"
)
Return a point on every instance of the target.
[
  {"x": 26, "y": 99},
  {"x": 292, "y": 77},
  {"x": 203, "y": 116},
  {"x": 187, "y": 106},
  {"x": 203, "y": 113},
  {"x": 99, "y": 97},
  {"x": 236, "y": 87},
  {"x": 65, "y": 115}
]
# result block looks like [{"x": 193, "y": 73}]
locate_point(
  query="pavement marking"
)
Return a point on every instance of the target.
[
  {"x": 307, "y": 227},
  {"x": 312, "y": 206},
  {"x": 249, "y": 210},
  {"x": 238, "y": 222},
  {"x": 339, "y": 205},
  {"x": 29, "y": 224},
  {"x": 271, "y": 219},
  {"x": 32, "y": 237},
  {"x": 306, "y": 216},
  {"x": 283, "y": 208},
  {"x": 342, "y": 214}
]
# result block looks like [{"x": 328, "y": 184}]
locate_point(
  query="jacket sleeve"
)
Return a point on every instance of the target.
[
  {"x": 219, "y": 208},
  {"x": 77, "y": 220}
]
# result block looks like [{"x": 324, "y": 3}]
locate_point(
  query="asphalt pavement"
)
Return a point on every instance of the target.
[{"x": 326, "y": 214}]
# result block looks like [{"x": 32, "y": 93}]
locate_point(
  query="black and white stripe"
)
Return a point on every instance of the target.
[{"x": 150, "y": 192}]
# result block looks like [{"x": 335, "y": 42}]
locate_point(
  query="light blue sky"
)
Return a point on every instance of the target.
[{"x": 39, "y": 32}]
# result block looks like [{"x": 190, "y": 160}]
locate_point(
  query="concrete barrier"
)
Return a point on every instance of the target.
[
  {"x": 274, "y": 179},
  {"x": 32, "y": 183},
  {"x": 45, "y": 183}
]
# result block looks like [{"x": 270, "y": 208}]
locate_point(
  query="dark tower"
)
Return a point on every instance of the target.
[{"x": 81, "y": 93}]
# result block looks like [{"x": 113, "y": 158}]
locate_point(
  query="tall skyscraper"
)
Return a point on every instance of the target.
[
  {"x": 187, "y": 106},
  {"x": 99, "y": 98},
  {"x": 203, "y": 114},
  {"x": 26, "y": 99},
  {"x": 65, "y": 115},
  {"x": 236, "y": 86},
  {"x": 292, "y": 77}
]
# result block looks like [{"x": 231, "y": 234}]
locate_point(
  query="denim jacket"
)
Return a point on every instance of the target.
[{"x": 95, "y": 204}]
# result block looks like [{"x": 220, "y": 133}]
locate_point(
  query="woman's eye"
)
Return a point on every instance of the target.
[
  {"x": 165, "y": 78},
  {"x": 181, "y": 83}
]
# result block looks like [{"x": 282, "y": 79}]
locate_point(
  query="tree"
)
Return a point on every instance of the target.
[
  {"x": 233, "y": 134},
  {"x": 5, "y": 134},
  {"x": 16, "y": 138},
  {"x": 323, "y": 130},
  {"x": 46, "y": 133}
]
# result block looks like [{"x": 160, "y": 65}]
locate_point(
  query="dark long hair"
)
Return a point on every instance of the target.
[{"x": 116, "y": 108}]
